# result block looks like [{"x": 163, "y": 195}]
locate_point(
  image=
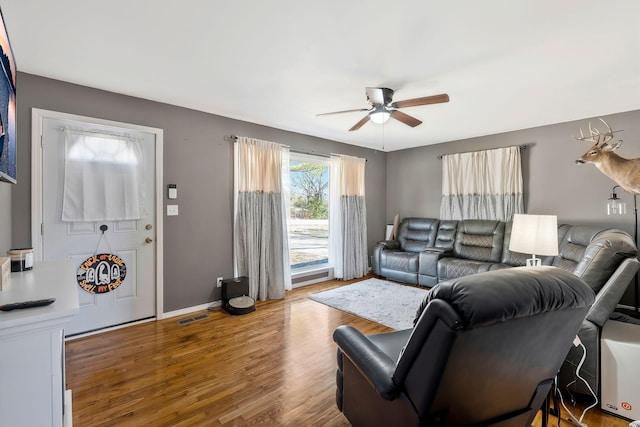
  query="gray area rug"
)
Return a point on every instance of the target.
[{"x": 380, "y": 301}]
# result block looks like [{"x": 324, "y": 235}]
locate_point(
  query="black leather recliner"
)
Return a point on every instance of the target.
[{"x": 484, "y": 350}]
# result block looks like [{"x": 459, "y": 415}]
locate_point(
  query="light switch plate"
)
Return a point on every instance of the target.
[{"x": 172, "y": 210}]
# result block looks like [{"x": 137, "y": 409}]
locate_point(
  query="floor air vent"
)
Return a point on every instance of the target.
[{"x": 192, "y": 319}]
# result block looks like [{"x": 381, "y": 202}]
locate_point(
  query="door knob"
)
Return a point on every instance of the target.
[{"x": 148, "y": 240}]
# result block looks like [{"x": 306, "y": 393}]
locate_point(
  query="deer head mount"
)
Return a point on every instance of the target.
[{"x": 624, "y": 172}]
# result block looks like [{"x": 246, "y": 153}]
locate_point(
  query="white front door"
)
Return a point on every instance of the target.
[{"x": 133, "y": 241}]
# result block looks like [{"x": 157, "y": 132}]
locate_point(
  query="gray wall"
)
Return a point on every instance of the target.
[
  {"x": 198, "y": 242},
  {"x": 553, "y": 183},
  {"x": 5, "y": 217}
]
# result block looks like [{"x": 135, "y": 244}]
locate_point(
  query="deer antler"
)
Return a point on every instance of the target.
[{"x": 597, "y": 137}]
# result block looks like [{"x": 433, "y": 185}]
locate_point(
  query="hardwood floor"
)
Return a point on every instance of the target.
[{"x": 275, "y": 366}]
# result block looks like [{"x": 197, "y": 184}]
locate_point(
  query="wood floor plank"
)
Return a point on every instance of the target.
[{"x": 275, "y": 366}]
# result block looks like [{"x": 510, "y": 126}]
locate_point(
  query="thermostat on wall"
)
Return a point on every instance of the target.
[{"x": 172, "y": 191}]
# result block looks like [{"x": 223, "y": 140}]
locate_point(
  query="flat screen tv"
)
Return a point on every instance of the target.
[{"x": 7, "y": 107}]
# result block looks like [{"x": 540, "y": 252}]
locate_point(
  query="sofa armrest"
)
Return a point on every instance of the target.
[
  {"x": 389, "y": 244},
  {"x": 371, "y": 361},
  {"x": 428, "y": 261},
  {"x": 603, "y": 254},
  {"x": 609, "y": 296},
  {"x": 377, "y": 253}
]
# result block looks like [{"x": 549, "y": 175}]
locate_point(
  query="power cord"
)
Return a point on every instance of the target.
[{"x": 578, "y": 343}]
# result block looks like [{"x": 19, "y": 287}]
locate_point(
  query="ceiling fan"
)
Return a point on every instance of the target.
[{"x": 382, "y": 107}]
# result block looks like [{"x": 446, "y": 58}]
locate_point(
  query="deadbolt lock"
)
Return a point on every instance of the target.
[{"x": 148, "y": 226}]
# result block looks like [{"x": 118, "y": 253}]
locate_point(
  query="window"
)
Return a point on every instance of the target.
[{"x": 309, "y": 210}]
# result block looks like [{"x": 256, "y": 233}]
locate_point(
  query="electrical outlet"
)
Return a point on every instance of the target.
[{"x": 219, "y": 282}]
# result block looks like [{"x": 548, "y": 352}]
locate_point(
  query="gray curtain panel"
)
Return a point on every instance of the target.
[
  {"x": 259, "y": 243},
  {"x": 354, "y": 234}
]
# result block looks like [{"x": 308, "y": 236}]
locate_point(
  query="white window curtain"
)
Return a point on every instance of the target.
[
  {"x": 348, "y": 217},
  {"x": 261, "y": 243},
  {"x": 482, "y": 185},
  {"x": 103, "y": 177}
]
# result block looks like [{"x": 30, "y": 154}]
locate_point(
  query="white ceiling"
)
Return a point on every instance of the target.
[{"x": 506, "y": 64}]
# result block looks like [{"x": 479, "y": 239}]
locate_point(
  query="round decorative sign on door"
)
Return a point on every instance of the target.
[{"x": 101, "y": 273}]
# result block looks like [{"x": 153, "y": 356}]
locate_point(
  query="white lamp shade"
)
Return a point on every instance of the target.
[{"x": 534, "y": 234}]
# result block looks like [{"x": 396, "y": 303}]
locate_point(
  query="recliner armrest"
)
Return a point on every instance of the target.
[{"x": 371, "y": 361}]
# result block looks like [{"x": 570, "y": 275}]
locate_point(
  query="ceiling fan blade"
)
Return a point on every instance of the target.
[
  {"x": 358, "y": 125},
  {"x": 405, "y": 118},
  {"x": 343, "y": 111},
  {"x": 435, "y": 99}
]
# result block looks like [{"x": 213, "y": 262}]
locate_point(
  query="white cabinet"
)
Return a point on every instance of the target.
[{"x": 32, "y": 347}]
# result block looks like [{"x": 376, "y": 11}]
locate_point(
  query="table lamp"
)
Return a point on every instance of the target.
[{"x": 535, "y": 235}]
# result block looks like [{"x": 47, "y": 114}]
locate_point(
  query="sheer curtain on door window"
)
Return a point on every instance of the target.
[
  {"x": 103, "y": 177},
  {"x": 482, "y": 185},
  {"x": 348, "y": 217},
  {"x": 261, "y": 245}
]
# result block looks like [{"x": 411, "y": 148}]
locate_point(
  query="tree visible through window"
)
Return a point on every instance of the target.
[{"x": 309, "y": 206}]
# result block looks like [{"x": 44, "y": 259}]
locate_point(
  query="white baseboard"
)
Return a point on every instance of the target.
[
  {"x": 111, "y": 328},
  {"x": 189, "y": 310},
  {"x": 68, "y": 409}
]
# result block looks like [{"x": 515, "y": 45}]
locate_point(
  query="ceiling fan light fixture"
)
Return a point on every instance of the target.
[{"x": 379, "y": 115}]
